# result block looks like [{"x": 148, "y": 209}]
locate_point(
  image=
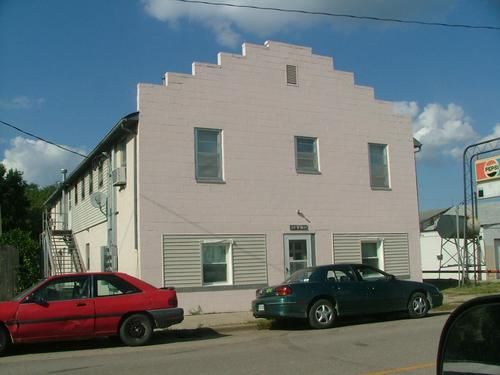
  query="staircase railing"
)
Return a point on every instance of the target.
[{"x": 61, "y": 253}]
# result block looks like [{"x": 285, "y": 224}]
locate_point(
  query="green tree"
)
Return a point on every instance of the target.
[
  {"x": 29, "y": 256},
  {"x": 36, "y": 198},
  {"x": 22, "y": 206},
  {"x": 13, "y": 200}
]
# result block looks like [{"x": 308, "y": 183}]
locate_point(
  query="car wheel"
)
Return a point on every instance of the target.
[
  {"x": 4, "y": 340},
  {"x": 136, "y": 330},
  {"x": 418, "y": 306},
  {"x": 321, "y": 314}
]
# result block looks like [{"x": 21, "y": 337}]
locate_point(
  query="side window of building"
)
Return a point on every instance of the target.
[
  {"x": 379, "y": 166},
  {"x": 372, "y": 254},
  {"x": 306, "y": 154},
  {"x": 83, "y": 188},
  {"x": 208, "y": 155},
  {"x": 76, "y": 193},
  {"x": 100, "y": 174},
  {"x": 110, "y": 285},
  {"x": 217, "y": 263},
  {"x": 91, "y": 181}
]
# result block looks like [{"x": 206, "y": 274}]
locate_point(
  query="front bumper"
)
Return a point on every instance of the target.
[
  {"x": 166, "y": 317},
  {"x": 436, "y": 299},
  {"x": 278, "y": 307}
]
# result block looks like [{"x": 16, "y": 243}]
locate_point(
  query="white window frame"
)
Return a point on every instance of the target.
[
  {"x": 229, "y": 261},
  {"x": 316, "y": 170},
  {"x": 387, "y": 166},
  {"x": 220, "y": 151},
  {"x": 380, "y": 252}
]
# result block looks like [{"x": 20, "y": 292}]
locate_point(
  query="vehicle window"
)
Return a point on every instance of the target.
[
  {"x": 370, "y": 274},
  {"x": 300, "y": 276},
  {"x": 340, "y": 275},
  {"x": 25, "y": 292},
  {"x": 109, "y": 285},
  {"x": 66, "y": 288}
]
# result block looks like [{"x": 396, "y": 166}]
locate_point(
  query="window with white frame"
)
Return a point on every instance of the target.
[
  {"x": 306, "y": 154},
  {"x": 208, "y": 155},
  {"x": 91, "y": 181},
  {"x": 379, "y": 166},
  {"x": 83, "y": 188},
  {"x": 372, "y": 254},
  {"x": 216, "y": 262}
]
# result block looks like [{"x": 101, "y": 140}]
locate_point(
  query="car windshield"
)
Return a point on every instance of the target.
[
  {"x": 28, "y": 291},
  {"x": 300, "y": 276}
]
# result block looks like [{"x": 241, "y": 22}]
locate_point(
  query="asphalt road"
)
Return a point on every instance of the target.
[{"x": 374, "y": 346}]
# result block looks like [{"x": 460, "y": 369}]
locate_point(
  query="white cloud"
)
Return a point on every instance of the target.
[
  {"x": 228, "y": 22},
  {"x": 40, "y": 162},
  {"x": 495, "y": 133},
  {"x": 21, "y": 102},
  {"x": 443, "y": 131}
]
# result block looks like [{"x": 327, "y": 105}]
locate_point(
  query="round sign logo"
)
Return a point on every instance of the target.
[{"x": 491, "y": 168}]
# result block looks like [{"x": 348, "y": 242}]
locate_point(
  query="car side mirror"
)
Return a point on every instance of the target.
[{"x": 470, "y": 339}]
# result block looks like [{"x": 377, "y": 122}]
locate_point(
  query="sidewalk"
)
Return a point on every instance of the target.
[
  {"x": 219, "y": 321},
  {"x": 245, "y": 320}
]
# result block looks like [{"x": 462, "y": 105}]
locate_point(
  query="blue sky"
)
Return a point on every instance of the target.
[{"x": 69, "y": 69}]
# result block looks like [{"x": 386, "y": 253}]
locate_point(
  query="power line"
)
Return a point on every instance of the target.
[
  {"x": 42, "y": 139},
  {"x": 397, "y": 20}
]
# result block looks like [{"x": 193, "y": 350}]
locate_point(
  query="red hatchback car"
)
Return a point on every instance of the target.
[{"x": 88, "y": 305}]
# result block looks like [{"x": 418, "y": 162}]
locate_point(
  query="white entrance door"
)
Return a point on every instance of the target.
[{"x": 298, "y": 252}]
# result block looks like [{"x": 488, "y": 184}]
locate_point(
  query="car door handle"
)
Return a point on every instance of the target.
[{"x": 81, "y": 304}]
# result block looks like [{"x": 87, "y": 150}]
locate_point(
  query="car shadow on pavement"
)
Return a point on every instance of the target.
[
  {"x": 302, "y": 324},
  {"x": 169, "y": 336}
]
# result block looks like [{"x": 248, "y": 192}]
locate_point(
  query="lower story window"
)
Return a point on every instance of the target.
[
  {"x": 216, "y": 259},
  {"x": 371, "y": 254}
]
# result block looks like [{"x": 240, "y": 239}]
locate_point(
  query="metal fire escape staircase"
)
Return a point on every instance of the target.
[{"x": 61, "y": 254}]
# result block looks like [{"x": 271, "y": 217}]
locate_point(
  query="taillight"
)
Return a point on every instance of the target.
[
  {"x": 172, "y": 301},
  {"x": 283, "y": 290}
]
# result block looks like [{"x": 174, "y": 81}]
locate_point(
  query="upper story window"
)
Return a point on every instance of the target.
[
  {"x": 76, "y": 193},
  {"x": 306, "y": 155},
  {"x": 121, "y": 154},
  {"x": 100, "y": 173},
  {"x": 291, "y": 74},
  {"x": 208, "y": 155},
  {"x": 91, "y": 181},
  {"x": 83, "y": 188},
  {"x": 379, "y": 166}
]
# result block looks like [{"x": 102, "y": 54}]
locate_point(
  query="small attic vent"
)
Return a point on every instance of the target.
[{"x": 291, "y": 74}]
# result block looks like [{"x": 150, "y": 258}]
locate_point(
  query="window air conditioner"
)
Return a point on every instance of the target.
[{"x": 119, "y": 176}]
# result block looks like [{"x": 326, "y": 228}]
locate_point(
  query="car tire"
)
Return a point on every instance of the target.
[
  {"x": 321, "y": 314},
  {"x": 136, "y": 330},
  {"x": 418, "y": 306},
  {"x": 4, "y": 340}
]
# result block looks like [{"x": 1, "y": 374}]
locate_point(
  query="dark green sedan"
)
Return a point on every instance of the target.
[{"x": 322, "y": 293}]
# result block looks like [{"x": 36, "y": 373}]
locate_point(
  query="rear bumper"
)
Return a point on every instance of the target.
[
  {"x": 166, "y": 317},
  {"x": 278, "y": 307}
]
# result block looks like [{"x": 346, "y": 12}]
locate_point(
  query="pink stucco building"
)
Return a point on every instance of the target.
[{"x": 230, "y": 178}]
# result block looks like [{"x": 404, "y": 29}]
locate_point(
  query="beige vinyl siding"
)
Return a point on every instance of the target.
[
  {"x": 182, "y": 259},
  {"x": 84, "y": 214},
  {"x": 347, "y": 249}
]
